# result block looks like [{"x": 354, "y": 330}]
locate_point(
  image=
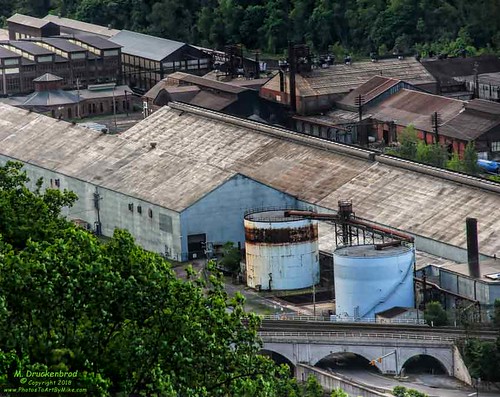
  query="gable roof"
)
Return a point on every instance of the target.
[
  {"x": 413, "y": 107},
  {"x": 22, "y": 19},
  {"x": 478, "y": 117},
  {"x": 72, "y": 24},
  {"x": 145, "y": 46},
  {"x": 199, "y": 150},
  {"x": 341, "y": 78},
  {"x": 369, "y": 90}
]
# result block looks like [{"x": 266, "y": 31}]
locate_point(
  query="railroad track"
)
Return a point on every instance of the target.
[{"x": 304, "y": 326}]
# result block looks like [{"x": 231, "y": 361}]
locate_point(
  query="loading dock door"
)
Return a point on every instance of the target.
[{"x": 196, "y": 245}]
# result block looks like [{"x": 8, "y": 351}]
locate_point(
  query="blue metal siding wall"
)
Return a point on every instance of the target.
[{"x": 220, "y": 213}]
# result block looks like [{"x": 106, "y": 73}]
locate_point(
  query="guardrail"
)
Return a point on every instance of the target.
[
  {"x": 367, "y": 335},
  {"x": 343, "y": 320}
]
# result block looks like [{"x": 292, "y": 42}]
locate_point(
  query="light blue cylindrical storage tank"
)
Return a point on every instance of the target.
[
  {"x": 281, "y": 252},
  {"x": 369, "y": 281}
]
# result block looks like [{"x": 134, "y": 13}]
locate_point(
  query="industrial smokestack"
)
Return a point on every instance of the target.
[
  {"x": 472, "y": 247},
  {"x": 292, "y": 62}
]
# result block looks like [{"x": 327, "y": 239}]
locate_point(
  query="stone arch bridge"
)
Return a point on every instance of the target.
[{"x": 311, "y": 347}]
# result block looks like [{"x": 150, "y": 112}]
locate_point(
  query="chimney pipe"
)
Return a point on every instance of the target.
[{"x": 472, "y": 247}]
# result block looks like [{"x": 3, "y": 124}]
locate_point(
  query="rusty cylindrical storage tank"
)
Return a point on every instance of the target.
[{"x": 281, "y": 253}]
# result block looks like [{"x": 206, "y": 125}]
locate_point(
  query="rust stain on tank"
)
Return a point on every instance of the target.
[{"x": 289, "y": 235}]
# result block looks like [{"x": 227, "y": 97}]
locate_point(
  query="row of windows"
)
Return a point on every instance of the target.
[{"x": 164, "y": 221}]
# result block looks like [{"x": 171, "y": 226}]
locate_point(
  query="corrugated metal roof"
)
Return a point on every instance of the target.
[
  {"x": 81, "y": 26},
  {"x": 48, "y": 77},
  {"x": 204, "y": 82},
  {"x": 198, "y": 151},
  {"x": 50, "y": 98},
  {"x": 145, "y": 46},
  {"x": 212, "y": 101},
  {"x": 369, "y": 90},
  {"x": 446, "y": 69},
  {"x": 341, "y": 79},
  {"x": 478, "y": 117},
  {"x": 485, "y": 267},
  {"x": 95, "y": 41},
  {"x": 63, "y": 44},
  {"x": 4, "y": 34},
  {"x": 5, "y": 53},
  {"x": 28, "y": 21},
  {"x": 414, "y": 107},
  {"x": 29, "y": 47}
]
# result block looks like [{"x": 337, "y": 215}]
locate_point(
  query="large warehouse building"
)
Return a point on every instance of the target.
[{"x": 186, "y": 175}]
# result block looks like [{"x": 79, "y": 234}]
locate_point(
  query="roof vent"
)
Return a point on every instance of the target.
[{"x": 153, "y": 145}]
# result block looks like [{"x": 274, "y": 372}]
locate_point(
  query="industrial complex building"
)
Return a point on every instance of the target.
[
  {"x": 30, "y": 53},
  {"x": 318, "y": 89},
  {"x": 186, "y": 176},
  {"x": 194, "y": 168}
]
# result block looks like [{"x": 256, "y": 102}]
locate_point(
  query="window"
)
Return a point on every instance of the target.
[
  {"x": 131, "y": 207},
  {"x": 150, "y": 213},
  {"x": 10, "y": 62},
  {"x": 45, "y": 58},
  {"x": 78, "y": 55},
  {"x": 495, "y": 146},
  {"x": 139, "y": 209},
  {"x": 110, "y": 53},
  {"x": 57, "y": 182},
  {"x": 165, "y": 223}
]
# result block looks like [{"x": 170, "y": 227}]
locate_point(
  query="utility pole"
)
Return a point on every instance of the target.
[
  {"x": 114, "y": 109},
  {"x": 436, "y": 122},
  {"x": 126, "y": 102},
  {"x": 476, "y": 79},
  {"x": 359, "y": 101},
  {"x": 78, "y": 92}
]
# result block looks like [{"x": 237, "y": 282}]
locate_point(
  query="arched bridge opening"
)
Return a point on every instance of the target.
[
  {"x": 424, "y": 364},
  {"x": 278, "y": 359},
  {"x": 346, "y": 362}
]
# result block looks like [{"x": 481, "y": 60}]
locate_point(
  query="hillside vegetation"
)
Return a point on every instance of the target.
[{"x": 360, "y": 27}]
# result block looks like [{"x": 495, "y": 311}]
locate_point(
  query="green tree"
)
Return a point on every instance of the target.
[
  {"x": 455, "y": 164},
  {"x": 339, "y": 393},
  {"x": 470, "y": 159},
  {"x": 26, "y": 214},
  {"x": 435, "y": 314},
  {"x": 231, "y": 257},
  {"x": 408, "y": 140},
  {"x": 312, "y": 388},
  {"x": 117, "y": 313},
  {"x": 432, "y": 154},
  {"x": 496, "y": 314}
]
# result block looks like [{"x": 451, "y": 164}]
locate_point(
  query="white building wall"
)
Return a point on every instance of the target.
[
  {"x": 115, "y": 212},
  {"x": 220, "y": 213}
]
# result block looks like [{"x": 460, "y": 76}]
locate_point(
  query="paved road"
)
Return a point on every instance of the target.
[{"x": 433, "y": 385}]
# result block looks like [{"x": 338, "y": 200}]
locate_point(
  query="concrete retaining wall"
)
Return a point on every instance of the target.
[
  {"x": 331, "y": 382},
  {"x": 460, "y": 370}
]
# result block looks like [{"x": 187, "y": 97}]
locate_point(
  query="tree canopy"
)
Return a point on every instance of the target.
[
  {"x": 363, "y": 27},
  {"x": 116, "y": 313}
]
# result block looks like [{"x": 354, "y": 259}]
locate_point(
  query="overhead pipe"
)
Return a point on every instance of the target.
[{"x": 350, "y": 221}]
